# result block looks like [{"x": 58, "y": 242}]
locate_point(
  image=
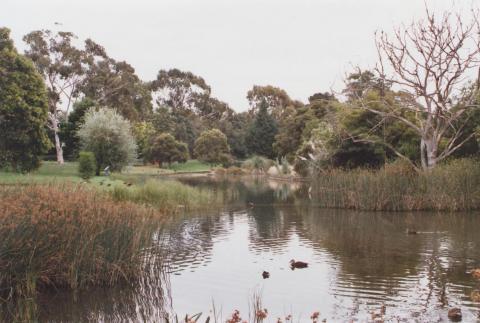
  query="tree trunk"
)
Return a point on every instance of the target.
[
  {"x": 58, "y": 144},
  {"x": 428, "y": 151},
  {"x": 58, "y": 148}
]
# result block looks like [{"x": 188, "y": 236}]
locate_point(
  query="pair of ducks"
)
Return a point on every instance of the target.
[{"x": 293, "y": 265}]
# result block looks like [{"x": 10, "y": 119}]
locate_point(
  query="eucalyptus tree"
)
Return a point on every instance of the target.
[
  {"x": 63, "y": 66},
  {"x": 278, "y": 102},
  {"x": 181, "y": 91},
  {"x": 115, "y": 84}
]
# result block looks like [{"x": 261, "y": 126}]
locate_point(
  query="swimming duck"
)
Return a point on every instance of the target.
[
  {"x": 455, "y": 314},
  {"x": 265, "y": 274},
  {"x": 298, "y": 264},
  {"x": 411, "y": 231}
]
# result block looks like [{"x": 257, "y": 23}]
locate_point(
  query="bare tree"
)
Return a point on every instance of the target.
[{"x": 429, "y": 63}]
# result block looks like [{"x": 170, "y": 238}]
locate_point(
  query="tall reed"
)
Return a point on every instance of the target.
[
  {"x": 454, "y": 186},
  {"x": 69, "y": 236}
]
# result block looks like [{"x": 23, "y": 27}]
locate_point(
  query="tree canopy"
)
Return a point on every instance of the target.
[
  {"x": 163, "y": 148},
  {"x": 212, "y": 147},
  {"x": 261, "y": 135},
  {"x": 23, "y": 109}
]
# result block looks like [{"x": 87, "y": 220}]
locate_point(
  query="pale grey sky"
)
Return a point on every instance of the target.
[{"x": 302, "y": 46}]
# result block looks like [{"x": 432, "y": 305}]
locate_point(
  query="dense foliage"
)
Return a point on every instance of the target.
[
  {"x": 212, "y": 147},
  {"x": 163, "y": 148},
  {"x": 261, "y": 135},
  {"x": 23, "y": 109}
]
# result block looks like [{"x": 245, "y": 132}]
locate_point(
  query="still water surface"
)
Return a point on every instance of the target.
[{"x": 358, "y": 262}]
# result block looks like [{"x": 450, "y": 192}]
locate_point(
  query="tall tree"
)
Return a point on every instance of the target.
[
  {"x": 296, "y": 128},
  {"x": 277, "y": 100},
  {"x": 116, "y": 85},
  {"x": 429, "y": 60},
  {"x": 360, "y": 82},
  {"x": 70, "y": 126},
  {"x": 63, "y": 67},
  {"x": 23, "y": 109},
  {"x": 261, "y": 135},
  {"x": 180, "y": 90}
]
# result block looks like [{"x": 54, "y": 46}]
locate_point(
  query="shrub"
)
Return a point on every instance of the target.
[
  {"x": 86, "y": 164},
  {"x": 258, "y": 163},
  {"x": 163, "y": 148},
  {"x": 108, "y": 135},
  {"x": 212, "y": 147}
]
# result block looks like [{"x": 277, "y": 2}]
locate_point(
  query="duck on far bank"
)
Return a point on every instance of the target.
[{"x": 297, "y": 264}]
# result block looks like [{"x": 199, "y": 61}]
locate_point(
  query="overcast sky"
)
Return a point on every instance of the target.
[{"x": 302, "y": 46}]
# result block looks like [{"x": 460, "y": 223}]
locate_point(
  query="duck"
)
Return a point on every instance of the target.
[
  {"x": 455, "y": 314},
  {"x": 411, "y": 231},
  {"x": 251, "y": 204},
  {"x": 298, "y": 264},
  {"x": 265, "y": 274},
  {"x": 476, "y": 273}
]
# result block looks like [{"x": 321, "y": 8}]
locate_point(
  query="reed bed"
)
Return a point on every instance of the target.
[
  {"x": 453, "y": 186},
  {"x": 166, "y": 195},
  {"x": 69, "y": 236}
]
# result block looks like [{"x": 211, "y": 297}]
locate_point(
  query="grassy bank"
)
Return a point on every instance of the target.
[
  {"x": 191, "y": 166},
  {"x": 166, "y": 195},
  {"x": 69, "y": 236},
  {"x": 454, "y": 186},
  {"x": 51, "y": 173}
]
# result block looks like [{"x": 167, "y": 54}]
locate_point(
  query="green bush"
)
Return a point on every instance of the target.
[{"x": 86, "y": 164}]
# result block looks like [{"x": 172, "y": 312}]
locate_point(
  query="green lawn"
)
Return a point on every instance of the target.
[{"x": 50, "y": 172}]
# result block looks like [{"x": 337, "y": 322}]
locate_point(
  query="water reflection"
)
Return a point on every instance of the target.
[{"x": 359, "y": 262}]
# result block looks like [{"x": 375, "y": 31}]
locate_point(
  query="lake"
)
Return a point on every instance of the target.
[{"x": 360, "y": 263}]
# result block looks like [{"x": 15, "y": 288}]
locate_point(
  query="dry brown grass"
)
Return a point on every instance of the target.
[{"x": 69, "y": 236}]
